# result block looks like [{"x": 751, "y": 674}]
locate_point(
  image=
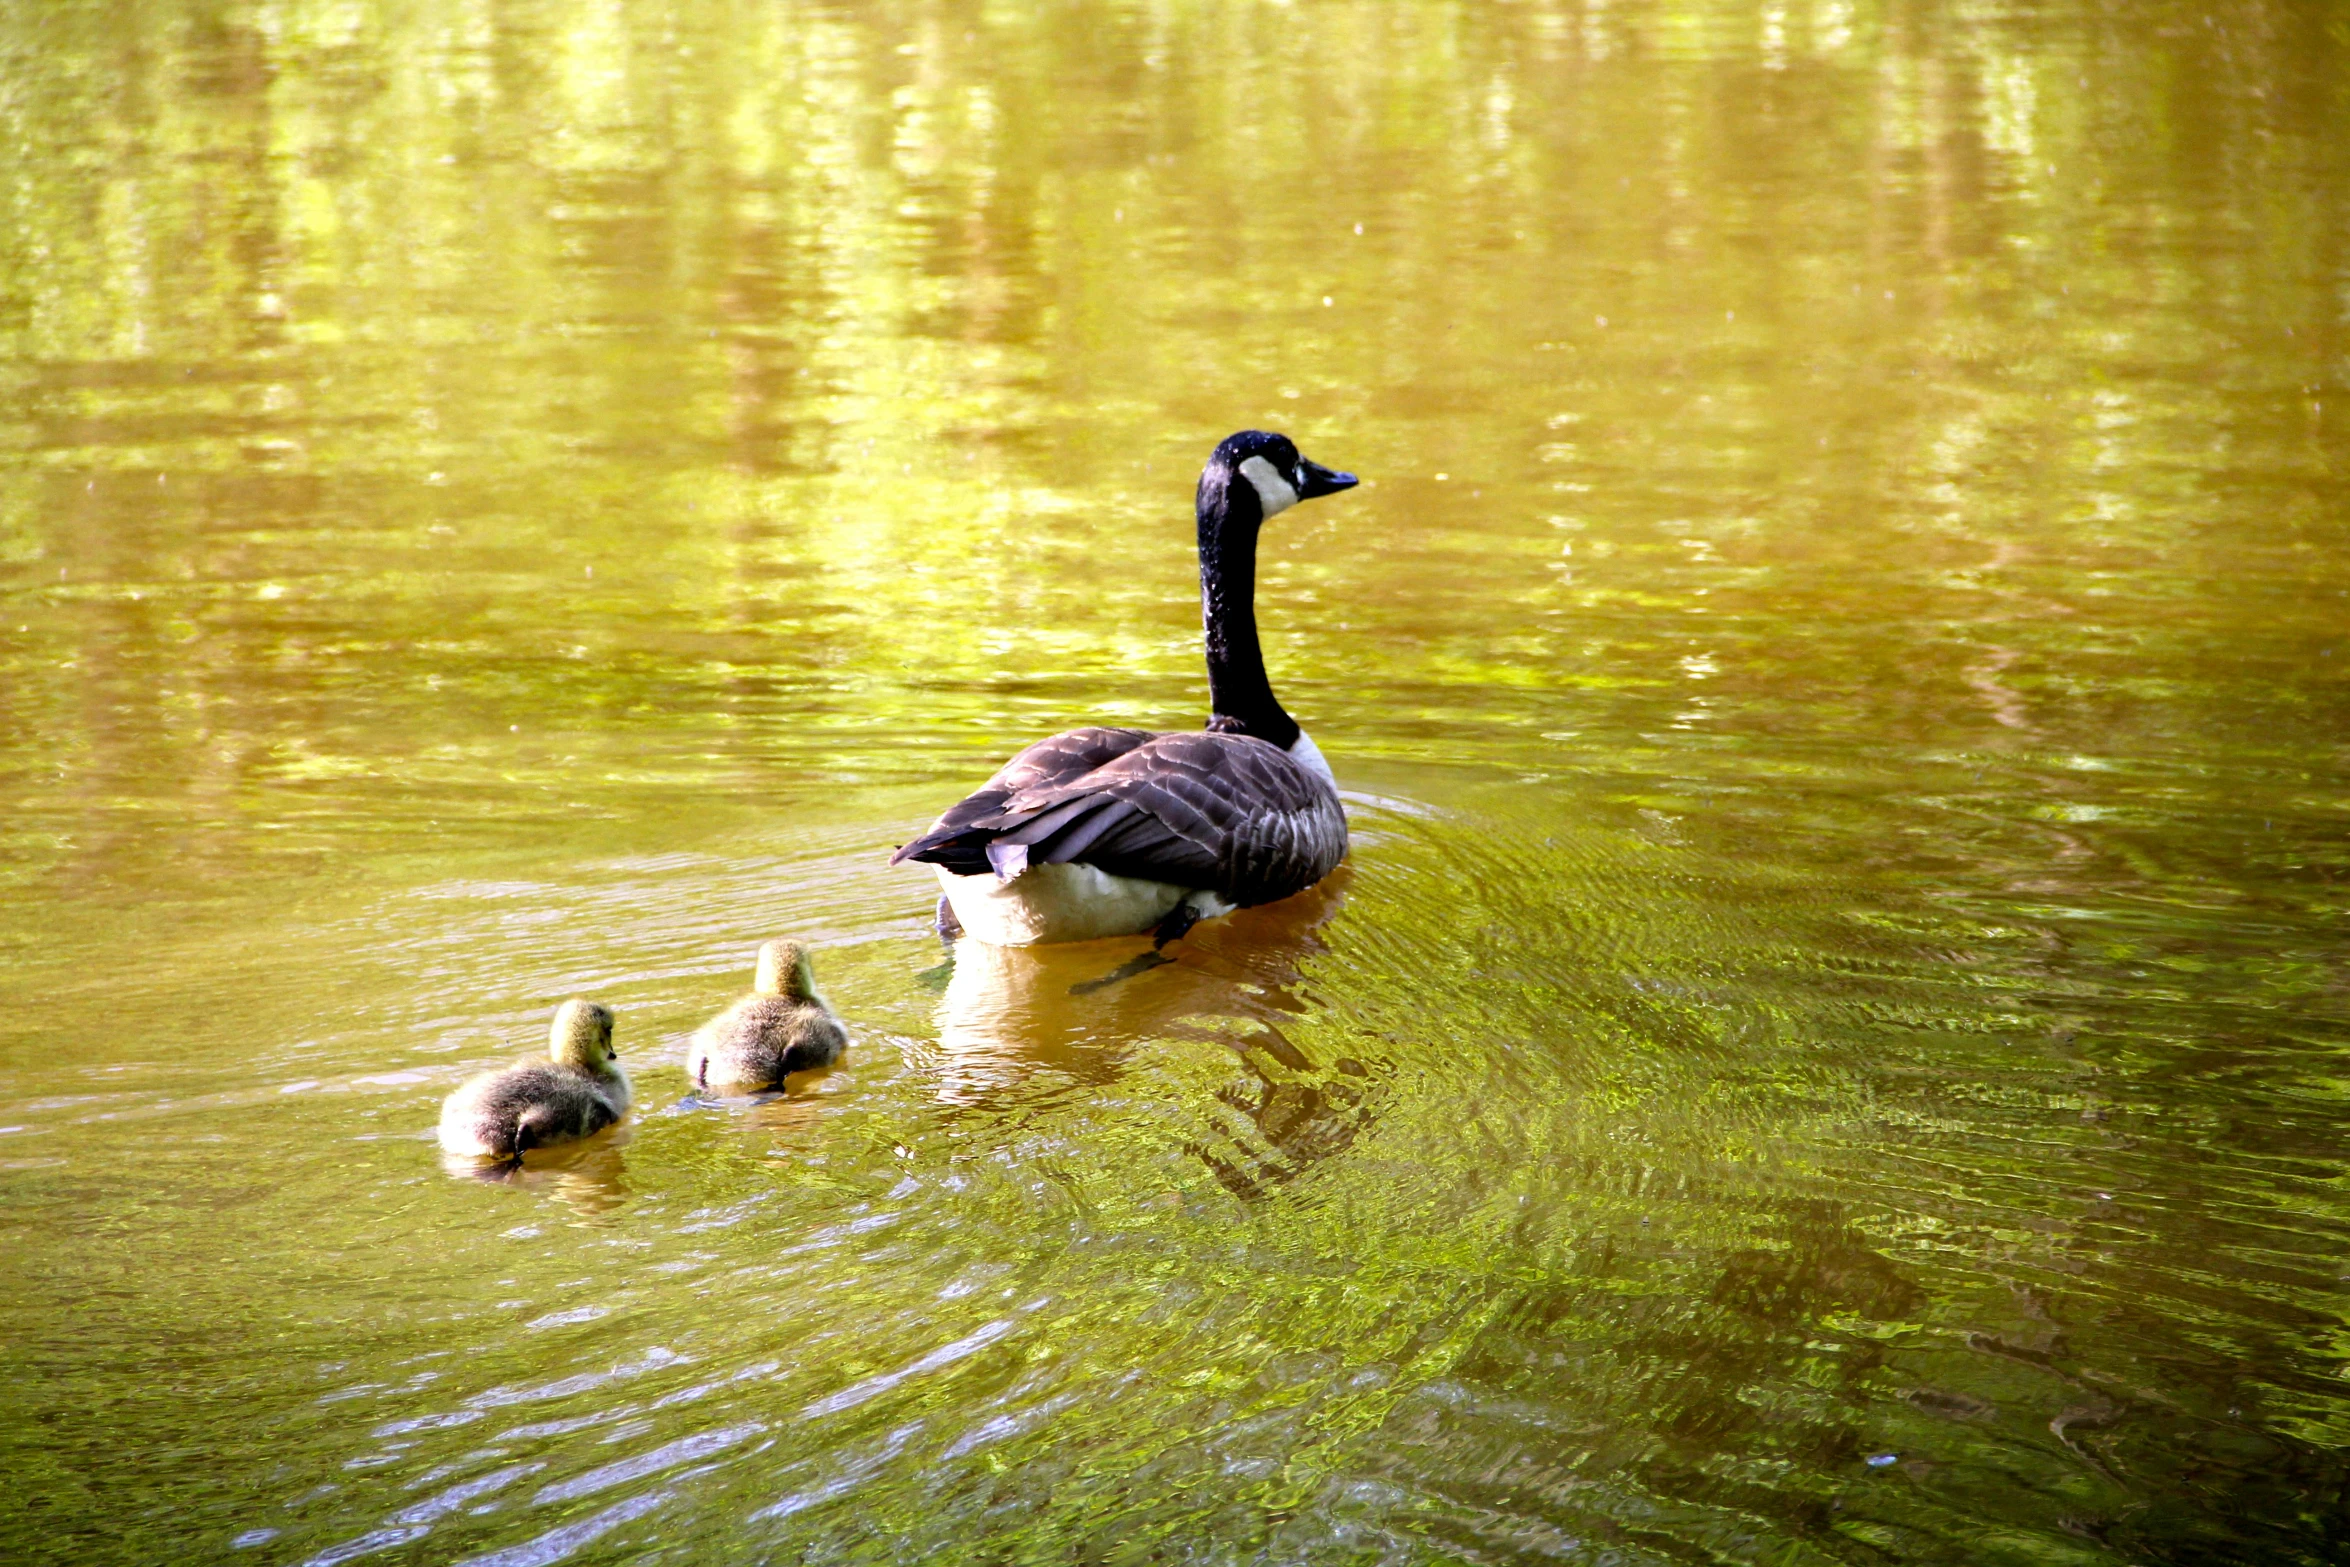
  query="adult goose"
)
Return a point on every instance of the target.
[{"x": 1118, "y": 832}]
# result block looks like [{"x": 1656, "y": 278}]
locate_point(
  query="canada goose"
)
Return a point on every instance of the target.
[
  {"x": 782, "y": 1027},
  {"x": 579, "y": 1089},
  {"x": 1115, "y": 832}
]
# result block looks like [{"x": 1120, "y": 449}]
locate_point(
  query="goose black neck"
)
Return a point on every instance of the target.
[{"x": 1240, "y": 697}]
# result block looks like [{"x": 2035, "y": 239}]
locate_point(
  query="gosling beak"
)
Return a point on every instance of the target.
[{"x": 1323, "y": 481}]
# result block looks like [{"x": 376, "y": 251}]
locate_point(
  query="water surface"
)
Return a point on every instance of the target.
[{"x": 1830, "y": 1047}]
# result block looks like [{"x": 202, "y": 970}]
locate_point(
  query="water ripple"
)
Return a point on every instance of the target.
[
  {"x": 945, "y": 1355},
  {"x": 667, "y": 1456},
  {"x": 556, "y": 1544}
]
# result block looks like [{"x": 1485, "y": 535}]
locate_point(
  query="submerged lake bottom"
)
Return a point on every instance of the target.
[{"x": 1542, "y": 1186}]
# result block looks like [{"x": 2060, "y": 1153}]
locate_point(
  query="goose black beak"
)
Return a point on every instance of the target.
[{"x": 1323, "y": 481}]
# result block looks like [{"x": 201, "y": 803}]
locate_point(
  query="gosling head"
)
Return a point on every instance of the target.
[
  {"x": 582, "y": 1038},
  {"x": 1274, "y": 470},
  {"x": 786, "y": 969}
]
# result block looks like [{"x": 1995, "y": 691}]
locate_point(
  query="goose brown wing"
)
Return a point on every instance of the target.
[
  {"x": 1222, "y": 812},
  {"x": 1061, "y": 759}
]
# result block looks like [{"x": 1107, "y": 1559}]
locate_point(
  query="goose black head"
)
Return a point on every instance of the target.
[
  {"x": 1253, "y": 475},
  {"x": 1278, "y": 476}
]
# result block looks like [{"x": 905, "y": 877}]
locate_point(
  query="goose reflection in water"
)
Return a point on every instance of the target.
[
  {"x": 589, "y": 1177},
  {"x": 796, "y": 1113},
  {"x": 1019, "y": 1024},
  {"x": 1297, "y": 1123}
]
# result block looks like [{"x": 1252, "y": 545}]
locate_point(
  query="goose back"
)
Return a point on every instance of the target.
[{"x": 1217, "y": 812}]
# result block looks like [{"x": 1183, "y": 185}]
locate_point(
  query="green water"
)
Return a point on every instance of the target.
[{"x": 1833, "y": 1044}]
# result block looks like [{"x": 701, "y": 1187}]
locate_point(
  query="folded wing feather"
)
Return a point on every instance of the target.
[{"x": 1221, "y": 812}]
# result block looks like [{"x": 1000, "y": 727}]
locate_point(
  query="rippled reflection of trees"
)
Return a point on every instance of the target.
[{"x": 783, "y": 315}]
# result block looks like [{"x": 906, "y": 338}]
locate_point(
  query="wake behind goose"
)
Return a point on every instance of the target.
[{"x": 1118, "y": 832}]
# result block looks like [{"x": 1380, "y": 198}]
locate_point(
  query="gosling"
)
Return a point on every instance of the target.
[
  {"x": 580, "y": 1089},
  {"x": 782, "y": 1027}
]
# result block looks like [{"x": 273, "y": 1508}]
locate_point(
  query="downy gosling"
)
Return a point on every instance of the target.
[
  {"x": 782, "y": 1027},
  {"x": 580, "y": 1089}
]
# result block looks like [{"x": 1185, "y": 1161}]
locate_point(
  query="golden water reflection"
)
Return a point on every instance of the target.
[
  {"x": 590, "y": 1178},
  {"x": 1079, "y": 1011}
]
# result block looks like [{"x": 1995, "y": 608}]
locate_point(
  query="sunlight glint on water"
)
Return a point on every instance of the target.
[{"x": 1828, "y": 1047}]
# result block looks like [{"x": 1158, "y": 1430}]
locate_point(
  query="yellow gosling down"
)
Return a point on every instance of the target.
[
  {"x": 782, "y": 1027},
  {"x": 578, "y": 1090}
]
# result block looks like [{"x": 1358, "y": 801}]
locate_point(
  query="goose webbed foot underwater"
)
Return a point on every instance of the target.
[
  {"x": 783, "y": 1026},
  {"x": 1140, "y": 963},
  {"x": 1123, "y": 832},
  {"x": 576, "y": 1092},
  {"x": 1173, "y": 928}
]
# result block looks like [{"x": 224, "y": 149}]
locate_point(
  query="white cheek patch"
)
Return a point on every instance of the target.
[{"x": 1274, "y": 493}]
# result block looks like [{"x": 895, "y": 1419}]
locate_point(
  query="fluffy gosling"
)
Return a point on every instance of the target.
[
  {"x": 579, "y": 1089},
  {"x": 782, "y": 1027}
]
